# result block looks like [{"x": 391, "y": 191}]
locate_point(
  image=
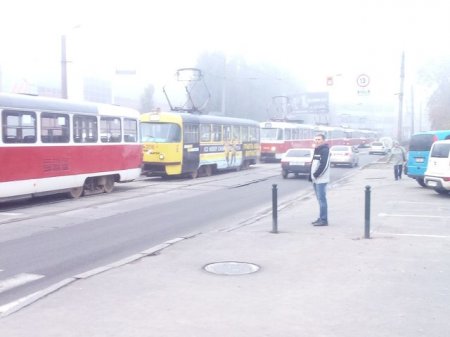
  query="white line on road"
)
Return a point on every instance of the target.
[
  {"x": 413, "y": 215},
  {"x": 10, "y": 214},
  {"x": 416, "y": 235},
  {"x": 18, "y": 280}
]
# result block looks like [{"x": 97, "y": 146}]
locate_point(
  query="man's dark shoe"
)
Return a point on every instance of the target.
[
  {"x": 321, "y": 223},
  {"x": 315, "y": 222}
]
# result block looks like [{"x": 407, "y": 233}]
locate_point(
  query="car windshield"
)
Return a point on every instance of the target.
[
  {"x": 271, "y": 134},
  {"x": 160, "y": 132},
  {"x": 298, "y": 153}
]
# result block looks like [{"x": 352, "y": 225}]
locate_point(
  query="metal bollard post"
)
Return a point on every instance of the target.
[
  {"x": 274, "y": 209},
  {"x": 367, "y": 214}
]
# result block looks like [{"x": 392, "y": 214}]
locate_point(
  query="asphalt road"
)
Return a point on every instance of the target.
[{"x": 46, "y": 240}]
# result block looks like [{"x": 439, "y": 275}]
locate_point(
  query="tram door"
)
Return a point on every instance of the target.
[{"x": 191, "y": 147}]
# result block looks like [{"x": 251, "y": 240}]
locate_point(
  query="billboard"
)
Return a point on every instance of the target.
[{"x": 310, "y": 103}]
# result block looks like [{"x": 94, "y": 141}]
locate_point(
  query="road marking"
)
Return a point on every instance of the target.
[
  {"x": 10, "y": 214},
  {"x": 413, "y": 215},
  {"x": 18, "y": 280},
  {"x": 416, "y": 235},
  {"x": 414, "y": 202}
]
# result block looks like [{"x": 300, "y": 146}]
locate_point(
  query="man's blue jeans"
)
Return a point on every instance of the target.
[{"x": 321, "y": 195}]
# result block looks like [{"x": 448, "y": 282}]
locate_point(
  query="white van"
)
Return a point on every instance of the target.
[{"x": 437, "y": 174}]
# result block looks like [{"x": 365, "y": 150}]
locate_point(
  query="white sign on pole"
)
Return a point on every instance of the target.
[{"x": 363, "y": 80}]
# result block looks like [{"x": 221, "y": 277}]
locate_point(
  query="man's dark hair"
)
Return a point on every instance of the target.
[{"x": 321, "y": 135}]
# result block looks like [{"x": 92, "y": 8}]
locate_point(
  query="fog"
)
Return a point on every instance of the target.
[{"x": 309, "y": 40}]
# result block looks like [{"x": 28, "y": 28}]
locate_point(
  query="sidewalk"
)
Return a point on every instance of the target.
[{"x": 312, "y": 281}]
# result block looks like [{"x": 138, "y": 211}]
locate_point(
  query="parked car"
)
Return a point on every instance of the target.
[
  {"x": 344, "y": 155},
  {"x": 297, "y": 161},
  {"x": 378, "y": 147},
  {"x": 419, "y": 152},
  {"x": 437, "y": 174}
]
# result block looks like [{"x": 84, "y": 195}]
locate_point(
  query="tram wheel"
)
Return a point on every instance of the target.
[
  {"x": 194, "y": 174},
  {"x": 109, "y": 184},
  {"x": 208, "y": 170},
  {"x": 245, "y": 165},
  {"x": 76, "y": 192}
]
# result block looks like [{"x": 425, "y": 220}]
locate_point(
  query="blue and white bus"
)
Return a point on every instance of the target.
[{"x": 419, "y": 151}]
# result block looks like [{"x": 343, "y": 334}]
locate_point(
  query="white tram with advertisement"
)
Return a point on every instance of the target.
[
  {"x": 50, "y": 145},
  {"x": 278, "y": 137}
]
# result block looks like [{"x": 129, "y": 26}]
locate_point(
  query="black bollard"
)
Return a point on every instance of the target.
[
  {"x": 367, "y": 214},
  {"x": 274, "y": 209}
]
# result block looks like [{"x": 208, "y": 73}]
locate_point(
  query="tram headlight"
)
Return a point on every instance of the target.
[
  {"x": 273, "y": 149},
  {"x": 161, "y": 156}
]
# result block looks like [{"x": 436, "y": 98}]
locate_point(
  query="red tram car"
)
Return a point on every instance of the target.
[
  {"x": 278, "y": 137},
  {"x": 50, "y": 145}
]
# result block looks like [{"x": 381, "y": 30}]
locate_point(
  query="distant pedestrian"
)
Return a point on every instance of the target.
[
  {"x": 320, "y": 177},
  {"x": 398, "y": 158}
]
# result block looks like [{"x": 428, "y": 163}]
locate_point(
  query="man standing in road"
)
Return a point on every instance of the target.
[{"x": 320, "y": 177}]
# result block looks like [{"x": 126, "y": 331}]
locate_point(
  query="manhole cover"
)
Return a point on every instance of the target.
[{"x": 231, "y": 268}]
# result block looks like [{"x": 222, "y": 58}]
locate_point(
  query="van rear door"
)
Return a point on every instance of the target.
[{"x": 439, "y": 161}]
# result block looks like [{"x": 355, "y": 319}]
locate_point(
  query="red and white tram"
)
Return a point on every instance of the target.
[
  {"x": 360, "y": 138},
  {"x": 278, "y": 137},
  {"x": 50, "y": 145}
]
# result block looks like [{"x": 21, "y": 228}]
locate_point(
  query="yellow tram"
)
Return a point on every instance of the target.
[{"x": 188, "y": 144}]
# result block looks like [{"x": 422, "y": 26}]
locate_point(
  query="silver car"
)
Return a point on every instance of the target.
[
  {"x": 378, "y": 147},
  {"x": 344, "y": 155},
  {"x": 297, "y": 161}
]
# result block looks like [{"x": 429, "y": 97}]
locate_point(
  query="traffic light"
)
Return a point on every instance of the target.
[{"x": 330, "y": 80}]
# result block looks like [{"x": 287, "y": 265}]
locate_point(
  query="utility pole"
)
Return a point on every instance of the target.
[
  {"x": 63, "y": 67},
  {"x": 400, "y": 100},
  {"x": 412, "y": 110}
]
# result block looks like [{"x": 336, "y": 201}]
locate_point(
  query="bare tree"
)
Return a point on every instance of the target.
[{"x": 438, "y": 75}]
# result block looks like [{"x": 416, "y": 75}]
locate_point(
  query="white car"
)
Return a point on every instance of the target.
[
  {"x": 378, "y": 147},
  {"x": 297, "y": 161},
  {"x": 344, "y": 155},
  {"x": 437, "y": 175}
]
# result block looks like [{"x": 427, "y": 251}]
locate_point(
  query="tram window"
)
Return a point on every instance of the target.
[
  {"x": 217, "y": 133},
  {"x": 253, "y": 134},
  {"x": 110, "y": 130},
  {"x": 205, "y": 132},
  {"x": 190, "y": 134},
  {"x": 160, "y": 132},
  {"x": 287, "y": 134},
  {"x": 295, "y": 133},
  {"x": 227, "y": 132},
  {"x": 85, "y": 129},
  {"x": 236, "y": 132},
  {"x": 130, "y": 130},
  {"x": 18, "y": 126},
  {"x": 245, "y": 133},
  {"x": 280, "y": 134},
  {"x": 54, "y": 128}
]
